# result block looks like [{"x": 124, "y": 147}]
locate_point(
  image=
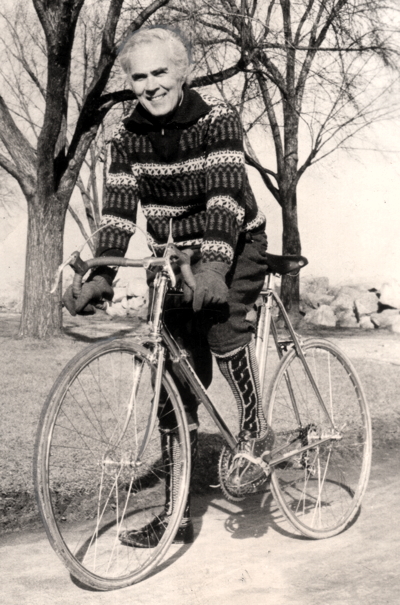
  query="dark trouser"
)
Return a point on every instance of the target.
[{"x": 221, "y": 331}]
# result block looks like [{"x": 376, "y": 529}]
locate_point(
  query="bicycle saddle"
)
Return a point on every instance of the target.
[{"x": 285, "y": 264}]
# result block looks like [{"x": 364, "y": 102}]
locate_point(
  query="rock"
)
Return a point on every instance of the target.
[
  {"x": 344, "y": 299},
  {"x": 395, "y": 327},
  {"x": 304, "y": 308},
  {"x": 316, "y": 299},
  {"x": 116, "y": 310},
  {"x": 366, "y": 304},
  {"x": 130, "y": 295},
  {"x": 136, "y": 302},
  {"x": 365, "y": 323},
  {"x": 326, "y": 299},
  {"x": 309, "y": 300},
  {"x": 390, "y": 294},
  {"x": 385, "y": 318},
  {"x": 323, "y": 316},
  {"x": 346, "y": 319}
]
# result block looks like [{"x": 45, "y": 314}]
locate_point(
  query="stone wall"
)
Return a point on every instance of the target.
[{"x": 354, "y": 306}]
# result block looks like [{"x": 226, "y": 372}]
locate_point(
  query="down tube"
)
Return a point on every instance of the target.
[{"x": 190, "y": 375}]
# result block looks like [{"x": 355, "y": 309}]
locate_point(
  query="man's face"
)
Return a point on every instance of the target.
[{"x": 154, "y": 79}]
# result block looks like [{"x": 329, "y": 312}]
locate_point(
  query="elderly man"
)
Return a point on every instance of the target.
[{"x": 180, "y": 153}]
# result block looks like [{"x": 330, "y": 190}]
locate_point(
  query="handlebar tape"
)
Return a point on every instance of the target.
[{"x": 182, "y": 259}]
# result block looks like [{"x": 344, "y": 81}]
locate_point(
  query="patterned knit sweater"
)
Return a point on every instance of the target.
[{"x": 189, "y": 176}]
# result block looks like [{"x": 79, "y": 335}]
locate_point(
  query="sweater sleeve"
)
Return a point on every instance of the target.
[
  {"x": 121, "y": 201},
  {"x": 226, "y": 186}
]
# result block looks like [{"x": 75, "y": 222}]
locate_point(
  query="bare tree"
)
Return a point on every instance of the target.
[
  {"x": 291, "y": 67},
  {"x": 309, "y": 75},
  {"x": 48, "y": 172}
]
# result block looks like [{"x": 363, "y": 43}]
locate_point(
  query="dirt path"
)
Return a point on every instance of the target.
[{"x": 241, "y": 555}]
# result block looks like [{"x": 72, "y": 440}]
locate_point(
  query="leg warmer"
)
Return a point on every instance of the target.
[{"x": 241, "y": 371}]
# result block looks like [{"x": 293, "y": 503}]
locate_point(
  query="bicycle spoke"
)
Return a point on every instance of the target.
[
  {"x": 319, "y": 489},
  {"x": 100, "y": 457}
]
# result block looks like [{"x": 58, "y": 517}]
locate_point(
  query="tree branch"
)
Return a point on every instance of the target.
[
  {"x": 220, "y": 76},
  {"x": 276, "y": 134},
  {"x": 329, "y": 49},
  {"x": 81, "y": 226},
  {"x": 303, "y": 19},
  {"x": 19, "y": 148},
  {"x": 145, "y": 14},
  {"x": 9, "y": 167},
  {"x": 264, "y": 172},
  {"x": 52, "y": 13}
]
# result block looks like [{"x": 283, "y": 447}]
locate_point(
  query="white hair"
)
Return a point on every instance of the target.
[{"x": 179, "y": 49}]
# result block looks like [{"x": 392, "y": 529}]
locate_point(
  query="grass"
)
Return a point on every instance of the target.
[{"x": 29, "y": 368}]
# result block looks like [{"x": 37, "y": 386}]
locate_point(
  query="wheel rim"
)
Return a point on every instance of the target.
[
  {"x": 101, "y": 467},
  {"x": 320, "y": 490}
]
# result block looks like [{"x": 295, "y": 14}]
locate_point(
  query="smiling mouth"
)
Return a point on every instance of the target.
[{"x": 156, "y": 98}]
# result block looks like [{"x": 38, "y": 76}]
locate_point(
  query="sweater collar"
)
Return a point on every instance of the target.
[{"x": 189, "y": 111}]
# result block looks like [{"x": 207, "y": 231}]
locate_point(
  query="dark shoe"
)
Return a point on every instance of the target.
[
  {"x": 250, "y": 463},
  {"x": 150, "y": 535}
]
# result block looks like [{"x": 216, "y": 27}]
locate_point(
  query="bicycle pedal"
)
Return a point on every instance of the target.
[{"x": 257, "y": 461}]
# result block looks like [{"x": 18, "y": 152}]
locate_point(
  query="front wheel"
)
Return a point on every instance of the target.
[
  {"x": 100, "y": 466},
  {"x": 319, "y": 489}
]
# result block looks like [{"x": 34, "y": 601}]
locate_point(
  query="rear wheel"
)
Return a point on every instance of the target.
[
  {"x": 99, "y": 467},
  {"x": 320, "y": 489}
]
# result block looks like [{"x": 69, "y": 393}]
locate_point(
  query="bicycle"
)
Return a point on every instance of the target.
[{"x": 98, "y": 435}]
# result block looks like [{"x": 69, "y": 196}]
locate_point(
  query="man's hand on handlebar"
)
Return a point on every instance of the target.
[
  {"x": 207, "y": 287},
  {"x": 93, "y": 290},
  {"x": 210, "y": 288}
]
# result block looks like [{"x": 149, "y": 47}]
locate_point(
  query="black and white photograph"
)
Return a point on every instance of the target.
[{"x": 200, "y": 302}]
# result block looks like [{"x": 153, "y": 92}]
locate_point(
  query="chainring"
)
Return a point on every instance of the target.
[{"x": 239, "y": 494}]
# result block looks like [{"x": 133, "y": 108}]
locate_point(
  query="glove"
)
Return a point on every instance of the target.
[
  {"x": 92, "y": 291},
  {"x": 211, "y": 288}
]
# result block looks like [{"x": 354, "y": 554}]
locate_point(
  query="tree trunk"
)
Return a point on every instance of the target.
[
  {"x": 290, "y": 288},
  {"x": 41, "y": 311}
]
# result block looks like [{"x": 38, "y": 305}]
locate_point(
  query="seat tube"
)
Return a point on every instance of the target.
[{"x": 263, "y": 328}]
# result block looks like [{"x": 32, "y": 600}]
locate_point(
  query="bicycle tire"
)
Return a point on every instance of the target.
[
  {"x": 98, "y": 464},
  {"x": 320, "y": 490}
]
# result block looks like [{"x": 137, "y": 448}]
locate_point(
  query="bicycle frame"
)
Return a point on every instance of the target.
[
  {"x": 159, "y": 334},
  {"x": 265, "y": 325}
]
